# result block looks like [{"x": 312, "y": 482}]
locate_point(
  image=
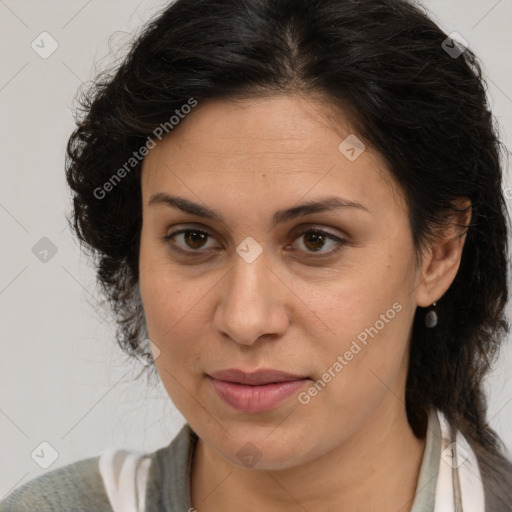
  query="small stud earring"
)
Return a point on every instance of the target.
[{"x": 431, "y": 316}]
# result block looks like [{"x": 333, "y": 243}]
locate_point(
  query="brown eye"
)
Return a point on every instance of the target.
[
  {"x": 314, "y": 240},
  {"x": 193, "y": 239}
]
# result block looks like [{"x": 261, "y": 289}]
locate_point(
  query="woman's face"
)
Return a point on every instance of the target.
[{"x": 256, "y": 289}]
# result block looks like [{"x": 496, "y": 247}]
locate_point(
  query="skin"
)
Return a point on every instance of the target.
[{"x": 290, "y": 309}]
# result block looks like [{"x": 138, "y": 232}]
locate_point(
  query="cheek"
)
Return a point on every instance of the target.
[
  {"x": 177, "y": 312},
  {"x": 171, "y": 316},
  {"x": 160, "y": 287},
  {"x": 170, "y": 304},
  {"x": 173, "y": 323},
  {"x": 370, "y": 317}
]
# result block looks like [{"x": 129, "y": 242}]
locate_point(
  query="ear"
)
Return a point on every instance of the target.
[{"x": 441, "y": 260}]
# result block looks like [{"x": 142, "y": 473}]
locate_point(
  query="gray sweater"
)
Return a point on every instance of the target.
[{"x": 78, "y": 487}]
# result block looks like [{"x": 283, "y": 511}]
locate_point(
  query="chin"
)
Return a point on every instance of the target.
[{"x": 261, "y": 453}]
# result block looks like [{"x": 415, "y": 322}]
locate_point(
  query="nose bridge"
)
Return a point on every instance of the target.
[
  {"x": 249, "y": 278},
  {"x": 250, "y": 303}
]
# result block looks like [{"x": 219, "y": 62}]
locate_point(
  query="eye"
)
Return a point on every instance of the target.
[
  {"x": 315, "y": 239},
  {"x": 191, "y": 238},
  {"x": 194, "y": 241}
]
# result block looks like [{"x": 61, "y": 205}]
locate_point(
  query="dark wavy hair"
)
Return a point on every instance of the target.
[{"x": 386, "y": 63}]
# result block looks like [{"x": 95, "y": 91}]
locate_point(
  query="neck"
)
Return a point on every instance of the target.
[{"x": 379, "y": 466}]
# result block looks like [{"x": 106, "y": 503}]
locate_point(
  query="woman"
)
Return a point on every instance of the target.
[{"x": 299, "y": 203}]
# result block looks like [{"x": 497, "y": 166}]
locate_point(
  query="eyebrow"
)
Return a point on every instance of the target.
[{"x": 321, "y": 205}]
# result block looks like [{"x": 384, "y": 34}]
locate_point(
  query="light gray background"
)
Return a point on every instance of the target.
[{"x": 63, "y": 378}]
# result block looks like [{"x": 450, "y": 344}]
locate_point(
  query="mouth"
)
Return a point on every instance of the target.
[
  {"x": 258, "y": 391},
  {"x": 257, "y": 378}
]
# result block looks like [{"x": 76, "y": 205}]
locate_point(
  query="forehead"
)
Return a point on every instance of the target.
[{"x": 276, "y": 147}]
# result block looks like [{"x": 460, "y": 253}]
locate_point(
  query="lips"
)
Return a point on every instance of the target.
[
  {"x": 257, "y": 378},
  {"x": 255, "y": 392}
]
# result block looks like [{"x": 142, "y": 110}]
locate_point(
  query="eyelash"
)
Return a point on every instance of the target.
[{"x": 340, "y": 242}]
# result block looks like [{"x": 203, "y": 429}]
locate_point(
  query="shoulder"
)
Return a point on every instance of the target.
[
  {"x": 496, "y": 474},
  {"x": 169, "y": 475},
  {"x": 77, "y": 487},
  {"x": 116, "y": 476}
]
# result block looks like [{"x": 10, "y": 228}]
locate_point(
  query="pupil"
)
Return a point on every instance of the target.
[
  {"x": 199, "y": 237},
  {"x": 315, "y": 237}
]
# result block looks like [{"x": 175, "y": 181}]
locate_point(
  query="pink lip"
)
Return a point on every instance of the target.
[
  {"x": 255, "y": 392},
  {"x": 255, "y": 378}
]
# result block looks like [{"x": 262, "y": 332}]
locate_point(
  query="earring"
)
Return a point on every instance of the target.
[{"x": 431, "y": 316}]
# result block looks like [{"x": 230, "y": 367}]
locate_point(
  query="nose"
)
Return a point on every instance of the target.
[{"x": 253, "y": 303}]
